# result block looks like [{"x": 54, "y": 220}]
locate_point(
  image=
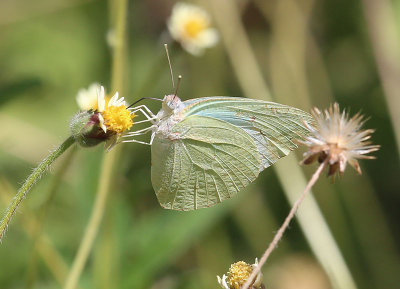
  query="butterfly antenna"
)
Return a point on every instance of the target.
[
  {"x": 143, "y": 99},
  {"x": 177, "y": 85},
  {"x": 170, "y": 66}
]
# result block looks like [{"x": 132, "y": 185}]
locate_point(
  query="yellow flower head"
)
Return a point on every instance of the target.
[
  {"x": 237, "y": 276},
  {"x": 190, "y": 25},
  {"x": 100, "y": 120},
  {"x": 114, "y": 116},
  {"x": 338, "y": 139}
]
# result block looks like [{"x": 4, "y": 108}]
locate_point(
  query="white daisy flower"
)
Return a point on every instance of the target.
[
  {"x": 102, "y": 119},
  {"x": 190, "y": 26},
  {"x": 87, "y": 98}
]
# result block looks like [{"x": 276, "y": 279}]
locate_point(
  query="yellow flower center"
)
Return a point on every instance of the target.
[
  {"x": 238, "y": 274},
  {"x": 117, "y": 118},
  {"x": 194, "y": 26}
]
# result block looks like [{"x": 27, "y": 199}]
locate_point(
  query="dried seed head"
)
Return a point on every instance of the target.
[{"x": 337, "y": 139}]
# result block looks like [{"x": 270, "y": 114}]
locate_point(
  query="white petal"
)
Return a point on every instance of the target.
[
  {"x": 87, "y": 98},
  {"x": 259, "y": 278},
  {"x": 192, "y": 48},
  {"x": 120, "y": 102},
  {"x": 219, "y": 280},
  {"x": 101, "y": 120},
  {"x": 82, "y": 99},
  {"x": 113, "y": 100},
  {"x": 209, "y": 37},
  {"x": 206, "y": 39},
  {"x": 222, "y": 282},
  {"x": 101, "y": 101}
]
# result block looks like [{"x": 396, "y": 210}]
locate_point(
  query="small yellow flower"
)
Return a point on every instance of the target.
[
  {"x": 237, "y": 276},
  {"x": 87, "y": 98},
  {"x": 114, "y": 115},
  {"x": 102, "y": 120},
  {"x": 190, "y": 26},
  {"x": 338, "y": 139}
]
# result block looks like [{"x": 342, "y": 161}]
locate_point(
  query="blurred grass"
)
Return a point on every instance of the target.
[
  {"x": 307, "y": 51},
  {"x": 118, "y": 13},
  {"x": 310, "y": 218},
  {"x": 31, "y": 223}
]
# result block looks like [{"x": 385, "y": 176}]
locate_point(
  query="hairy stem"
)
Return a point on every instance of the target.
[
  {"x": 30, "y": 181},
  {"x": 282, "y": 229},
  {"x": 32, "y": 270}
]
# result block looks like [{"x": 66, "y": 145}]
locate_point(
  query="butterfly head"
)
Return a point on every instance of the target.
[{"x": 172, "y": 103}]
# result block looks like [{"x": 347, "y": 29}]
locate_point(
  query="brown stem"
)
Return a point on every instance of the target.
[{"x": 284, "y": 226}]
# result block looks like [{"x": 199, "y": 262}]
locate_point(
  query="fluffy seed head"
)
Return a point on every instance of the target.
[{"x": 338, "y": 139}]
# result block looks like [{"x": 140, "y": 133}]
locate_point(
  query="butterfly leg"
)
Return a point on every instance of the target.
[
  {"x": 137, "y": 141},
  {"x": 152, "y": 138},
  {"x": 147, "y": 109},
  {"x": 139, "y": 132},
  {"x": 150, "y": 116}
]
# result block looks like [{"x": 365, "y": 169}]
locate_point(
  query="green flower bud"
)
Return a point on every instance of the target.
[{"x": 85, "y": 128}]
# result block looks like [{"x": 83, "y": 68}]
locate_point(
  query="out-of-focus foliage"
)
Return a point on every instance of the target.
[{"x": 311, "y": 53}]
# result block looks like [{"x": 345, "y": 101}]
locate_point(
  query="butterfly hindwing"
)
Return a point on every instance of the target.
[
  {"x": 202, "y": 163},
  {"x": 272, "y": 126}
]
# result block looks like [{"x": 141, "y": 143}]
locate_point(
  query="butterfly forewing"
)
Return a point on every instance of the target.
[
  {"x": 272, "y": 126},
  {"x": 203, "y": 162}
]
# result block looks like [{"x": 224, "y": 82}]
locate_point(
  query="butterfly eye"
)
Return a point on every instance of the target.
[{"x": 169, "y": 100}]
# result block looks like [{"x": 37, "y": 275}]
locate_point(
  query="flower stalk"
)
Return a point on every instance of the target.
[
  {"x": 335, "y": 141},
  {"x": 282, "y": 229},
  {"x": 30, "y": 181}
]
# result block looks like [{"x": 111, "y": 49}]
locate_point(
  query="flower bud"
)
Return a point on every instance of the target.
[
  {"x": 85, "y": 128},
  {"x": 238, "y": 274}
]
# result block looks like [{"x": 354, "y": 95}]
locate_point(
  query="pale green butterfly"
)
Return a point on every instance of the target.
[{"x": 206, "y": 150}]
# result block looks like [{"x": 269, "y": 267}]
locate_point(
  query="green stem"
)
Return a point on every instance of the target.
[
  {"x": 30, "y": 181},
  {"x": 37, "y": 229}
]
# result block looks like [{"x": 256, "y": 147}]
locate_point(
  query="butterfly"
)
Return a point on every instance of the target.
[{"x": 206, "y": 150}]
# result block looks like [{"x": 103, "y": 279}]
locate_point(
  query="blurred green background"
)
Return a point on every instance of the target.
[{"x": 308, "y": 52}]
